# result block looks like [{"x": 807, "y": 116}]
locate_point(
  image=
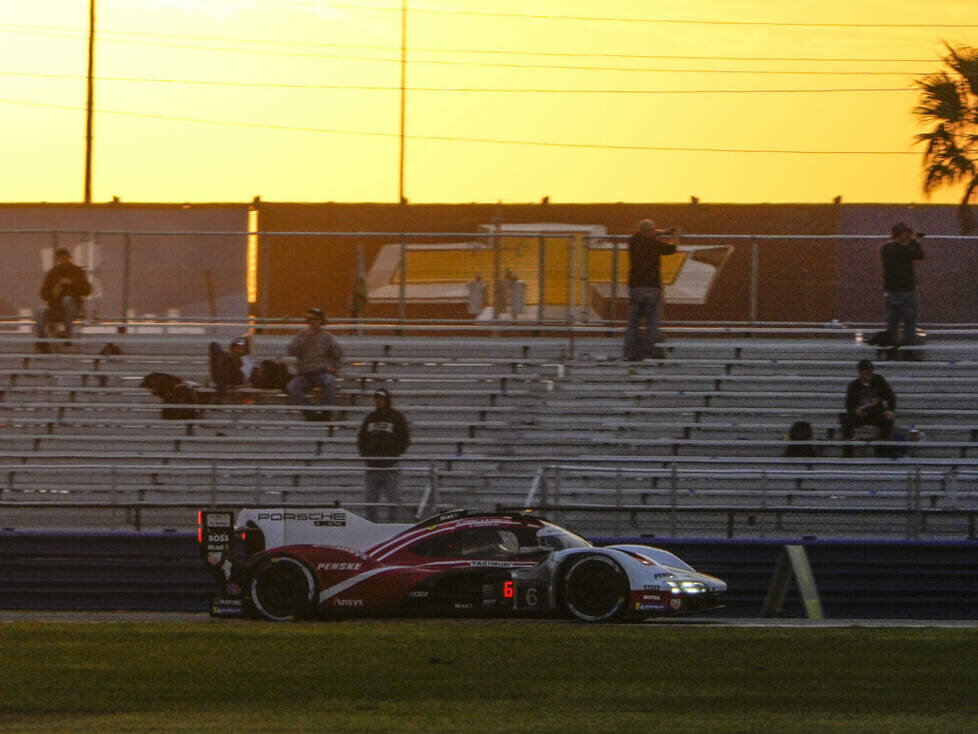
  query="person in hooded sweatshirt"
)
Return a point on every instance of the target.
[
  {"x": 63, "y": 292},
  {"x": 383, "y": 436}
]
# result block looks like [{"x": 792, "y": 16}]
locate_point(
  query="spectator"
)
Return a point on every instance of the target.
[
  {"x": 900, "y": 284},
  {"x": 63, "y": 292},
  {"x": 476, "y": 290},
  {"x": 233, "y": 368},
  {"x": 383, "y": 433},
  {"x": 318, "y": 361},
  {"x": 645, "y": 289},
  {"x": 869, "y": 402}
]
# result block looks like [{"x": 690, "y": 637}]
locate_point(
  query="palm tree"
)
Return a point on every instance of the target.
[{"x": 949, "y": 101}]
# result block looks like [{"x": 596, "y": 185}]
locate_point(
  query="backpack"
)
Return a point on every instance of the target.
[
  {"x": 272, "y": 375},
  {"x": 800, "y": 431},
  {"x": 798, "y": 434}
]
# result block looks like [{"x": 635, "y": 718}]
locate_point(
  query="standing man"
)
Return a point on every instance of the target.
[
  {"x": 318, "y": 360},
  {"x": 63, "y": 291},
  {"x": 645, "y": 289},
  {"x": 383, "y": 433},
  {"x": 900, "y": 284},
  {"x": 870, "y": 401}
]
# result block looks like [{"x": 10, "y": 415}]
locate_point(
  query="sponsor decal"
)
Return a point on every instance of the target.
[
  {"x": 643, "y": 607},
  {"x": 417, "y": 594},
  {"x": 348, "y": 602},
  {"x": 218, "y": 520},
  {"x": 490, "y": 564},
  {"x": 339, "y": 566},
  {"x": 676, "y": 604},
  {"x": 333, "y": 518}
]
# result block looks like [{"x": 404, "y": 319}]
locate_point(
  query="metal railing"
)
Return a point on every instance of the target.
[{"x": 557, "y": 269}]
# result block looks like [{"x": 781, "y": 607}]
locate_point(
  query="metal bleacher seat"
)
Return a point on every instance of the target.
[{"x": 702, "y": 429}]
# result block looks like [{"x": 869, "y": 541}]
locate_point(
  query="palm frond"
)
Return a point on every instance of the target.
[{"x": 964, "y": 60}]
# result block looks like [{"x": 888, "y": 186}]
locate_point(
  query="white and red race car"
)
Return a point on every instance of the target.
[{"x": 287, "y": 563}]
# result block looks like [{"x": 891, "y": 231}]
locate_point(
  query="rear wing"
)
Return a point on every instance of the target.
[{"x": 290, "y": 526}]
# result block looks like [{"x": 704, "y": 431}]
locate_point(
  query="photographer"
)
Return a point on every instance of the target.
[
  {"x": 900, "y": 284},
  {"x": 645, "y": 288}
]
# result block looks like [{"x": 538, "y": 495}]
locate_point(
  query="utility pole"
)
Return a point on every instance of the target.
[
  {"x": 400, "y": 179},
  {"x": 91, "y": 101}
]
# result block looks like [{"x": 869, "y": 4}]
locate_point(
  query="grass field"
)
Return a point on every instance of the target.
[{"x": 495, "y": 676}]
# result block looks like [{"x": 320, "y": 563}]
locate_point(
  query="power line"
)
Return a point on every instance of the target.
[
  {"x": 487, "y": 90},
  {"x": 678, "y": 21},
  {"x": 104, "y": 36},
  {"x": 458, "y": 139}
]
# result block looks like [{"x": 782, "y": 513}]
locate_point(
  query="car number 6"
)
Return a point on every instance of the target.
[{"x": 532, "y": 597}]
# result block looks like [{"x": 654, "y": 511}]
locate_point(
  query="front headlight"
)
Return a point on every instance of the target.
[{"x": 687, "y": 587}]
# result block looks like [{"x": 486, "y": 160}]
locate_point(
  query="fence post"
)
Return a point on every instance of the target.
[
  {"x": 614, "y": 280},
  {"x": 541, "y": 279},
  {"x": 402, "y": 290},
  {"x": 673, "y": 500},
  {"x": 913, "y": 504},
  {"x": 754, "y": 267},
  {"x": 259, "y": 486},
  {"x": 126, "y": 280}
]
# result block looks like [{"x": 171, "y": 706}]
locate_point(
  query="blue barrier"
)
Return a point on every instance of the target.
[{"x": 164, "y": 572}]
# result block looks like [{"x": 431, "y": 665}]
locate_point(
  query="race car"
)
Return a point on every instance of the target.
[{"x": 289, "y": 564}]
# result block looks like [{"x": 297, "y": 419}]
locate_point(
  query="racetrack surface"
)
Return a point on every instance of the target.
[{"x": 130, "y": 617}]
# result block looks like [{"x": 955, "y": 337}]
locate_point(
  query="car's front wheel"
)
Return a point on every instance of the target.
[
  {"x": 283, "y": 588},
  {"x": 594, "y": 588}
]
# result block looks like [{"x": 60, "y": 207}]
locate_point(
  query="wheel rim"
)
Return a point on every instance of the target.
[
  {"x": 282, "y": 589},
  {"x": 595, "y": 589}
]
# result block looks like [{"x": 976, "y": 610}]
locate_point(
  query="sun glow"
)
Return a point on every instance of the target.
[{"x": 512, "y": 102}]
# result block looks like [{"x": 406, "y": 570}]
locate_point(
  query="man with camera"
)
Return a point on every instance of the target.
[
  {"x": 645, "y": 289},
  {"x": 900, "y": 283}
]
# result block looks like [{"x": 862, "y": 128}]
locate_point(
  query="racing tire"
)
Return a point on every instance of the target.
[
  {"x": 282, "y": 589},
  {"x": 594, "y": 588}
]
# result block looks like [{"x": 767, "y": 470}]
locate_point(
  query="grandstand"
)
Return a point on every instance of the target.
[{"x": 691, "y": 445}]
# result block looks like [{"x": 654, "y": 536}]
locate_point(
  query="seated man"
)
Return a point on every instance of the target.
[
  {"x": 63, "y": 291},
  {"x": 318, "y": 360},
  {"x": 233, "y": 368},
  {"x": 869, "y": 402}
]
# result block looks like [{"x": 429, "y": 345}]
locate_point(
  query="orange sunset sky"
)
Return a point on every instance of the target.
[{"x": 299, "y": 100}]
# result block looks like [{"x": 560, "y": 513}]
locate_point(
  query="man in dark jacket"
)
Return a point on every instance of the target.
[
  {"x": 383, "y": 436},
  {"x": 900, "y": 283},
  {"x": 63, "y": 292},
  {"x": 645, "y": 289},
  {"x": 869, "y": 402}
]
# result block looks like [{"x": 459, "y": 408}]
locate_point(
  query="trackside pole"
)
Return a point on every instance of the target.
[{"x": 793, "y": 562}]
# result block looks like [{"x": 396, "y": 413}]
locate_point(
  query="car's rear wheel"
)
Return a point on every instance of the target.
[
  {"x": 283, "y": 588},
  {"x": 594, "y": 588}
]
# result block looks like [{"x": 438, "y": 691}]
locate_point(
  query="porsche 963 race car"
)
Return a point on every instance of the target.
[{"x": 287, "y": 563}]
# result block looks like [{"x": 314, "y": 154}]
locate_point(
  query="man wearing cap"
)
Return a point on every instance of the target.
[
  {"x": 645, "y": 289},
  {"x": 63, "y": 291},
  {"x": 870, "y": 401},
  {"x": 318, "y": 360},
  {"x": 383, "y": 436},
  {"x": 900, "y": 284},
  {"x": 232, "y": 368}
]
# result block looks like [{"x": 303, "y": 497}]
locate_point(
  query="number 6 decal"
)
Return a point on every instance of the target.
[{"x": 532, "y": 597}]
